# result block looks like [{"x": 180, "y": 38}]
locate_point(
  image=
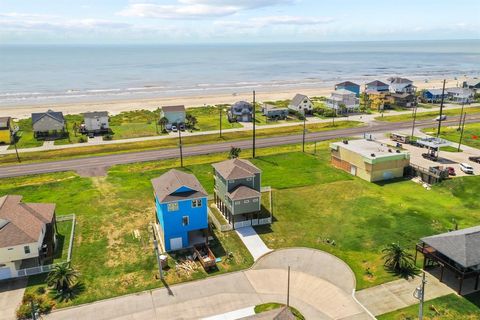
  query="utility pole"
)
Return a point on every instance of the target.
[
  {"x": 461, "y": 132},
  {"x": 180, "y": 145},
  {"x": 14, "y": 135},
  {"x": 414, "y": 120},
  {"x": 253, "y": 110},
  {"x": 419, "y": 294},
  {"x": 461, "y": 113},
  {"x": 288, "y": 287},
  {"x": 441, "y": 109},
  {"x": 304, "y": 130}
]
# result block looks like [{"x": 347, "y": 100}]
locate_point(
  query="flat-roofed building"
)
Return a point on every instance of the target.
[{"x": 369, "y": 160}]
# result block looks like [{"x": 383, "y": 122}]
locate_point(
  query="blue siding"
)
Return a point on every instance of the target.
[
  {"x": 354, "y": 89},
  {"x": 172, "y": 221}
]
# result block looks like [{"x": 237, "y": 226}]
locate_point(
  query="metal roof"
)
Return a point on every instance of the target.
[
  {"x": 346, "y": 83},
  {"x": 95, "y": 114},
  {"x": 461, "y": 246},
  {"x": 178, "y": 108},
  {"x": 433, "y": 142}
]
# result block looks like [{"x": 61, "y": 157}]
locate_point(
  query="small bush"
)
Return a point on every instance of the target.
[
  {"x": 41, "y": 290},
  {"x": 107, "y": 137},
  {"x": 42, "y": 305},
  {"x": 82, "y": 139}
]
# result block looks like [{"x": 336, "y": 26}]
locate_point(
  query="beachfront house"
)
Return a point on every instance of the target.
[
  {"x": 181, "y": 210},
  {"x": 48, "y": 123},
  {"x": 27, "y": 235},
  {"x": 96, "y": 122},
  {"x": 237, "y": 190},
  {"x": 475, "y": 84},
  {"x": 376, "y": 86},
  {"x": 302, "y": 104},
  {"x": 405, "y": 100},
  {"x": 350, "y": 86},
  {"x": 433, "y": 95},
  {"x": 174, "y": 114},
  {"x": 369, "y": 160},
  {"x": 343, "y": 98},
  {"x": 6, "y": 135},
  {"x": 460, "y": 95},
  {"x": 273, "y": 112},
  {"x": 401, "y": 85},
  {"x": 240, "y": 111}
]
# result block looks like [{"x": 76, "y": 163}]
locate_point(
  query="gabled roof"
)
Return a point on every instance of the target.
[
  {"x": 57, "y": 116},
  {"x": 377, "y": 83},
  {"x": 4, "y": 122},
  {"x": 399, "y": 80},
  {"x": 462, "y": 246},
  {"x": 236, "y": 169},
  {"x": 22, "y": 223},
  {"x": 347, "y": 84},
  {"x": 166, "y": 185},
  {"x": 243, "y": 192},
  {"x": 298, "y": 99},
  {"x": 95, "y": 114},
  {"x": 435, "y": 92},
  {"x": 179, "y": 108}
]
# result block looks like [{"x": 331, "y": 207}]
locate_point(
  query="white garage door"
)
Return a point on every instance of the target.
[
  {"x": 176, "y": 243},
  {"x": 5, "y": 273}
]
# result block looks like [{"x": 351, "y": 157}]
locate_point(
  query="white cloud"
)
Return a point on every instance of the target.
[
  {"x": 261, "y": 22},
  {"x": 196, "y": 9}
]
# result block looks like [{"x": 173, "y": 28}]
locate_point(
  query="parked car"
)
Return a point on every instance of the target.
[
  {"x": 168, "y": 127},
  {"x": 441, "y": 118},
  {"x": 181, "y": 126},
  {"x": 465, "y": 167},
  {"x": 91, "y": 135},
  {"x": 451, "y": 171},
  {"x": 174, "y": 128},
  {"x": 429, "y": 156},
  {"x": 474, "y": 159}
]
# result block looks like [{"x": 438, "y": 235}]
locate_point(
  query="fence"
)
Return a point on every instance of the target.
[
  {"x": 47, "y": 268},
  {"x": 253, "y": 222}
]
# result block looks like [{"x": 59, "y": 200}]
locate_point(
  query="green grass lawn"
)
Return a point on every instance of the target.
[
  {"x": 64, "y": 229},
  {"x": 427, "y": 115},
  {"x": 471, "y": 134},
  {"x": 86, "y": 151},
  {"x": 135, "y": 124},
  {"x": 450, "y": 307},
  {"x": 25, "y": 137},
  {"x": 209, "y": 118}
]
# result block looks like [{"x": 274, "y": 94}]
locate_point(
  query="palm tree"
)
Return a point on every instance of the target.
[
  {"x": 397, "y": 258},
  {"x": 163, "y": 123},
  {"x": 234, "y": 153},
  {"x": 63, "y": 277}
]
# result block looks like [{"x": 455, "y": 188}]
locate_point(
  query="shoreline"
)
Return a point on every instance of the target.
[{"x": 21, "y": 111}]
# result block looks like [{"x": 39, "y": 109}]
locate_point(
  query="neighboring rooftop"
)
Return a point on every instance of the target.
[
  {"x": 58, "y": 116},
  {"x": 167, "y": 186},
  {"x": 377, "y": 83},
  {"x": 236, "y": 169},
  {"x": 268, "y": 106},
  {"x": 369, "y": 148},
  {"x": 461, "y": 246},
  {"x": 399, "y": 80},
  {"x": 433, "y": 142},
  {"x": 95, "y": 114},
  {"x": 435, "y": 92},
  {"x": 298, "y": 99},
  {"x": 242, "y": 192},
  {"x": 343, "y": 92},
  {"x": 178, "y": 108},
  {"x": 22, "y": 223},
  {"x": 347, "y": 84}
]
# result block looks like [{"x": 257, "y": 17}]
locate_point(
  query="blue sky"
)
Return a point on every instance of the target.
[{"x": 206, "y": 21}]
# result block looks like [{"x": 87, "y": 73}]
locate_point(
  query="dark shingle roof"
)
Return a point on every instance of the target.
[
  {"x": 166, "y": 185},
  {"x": 52, "y": 114},
  {"x": 95, "y": 114},
  {"x": 298, "y": 99},
  {"x": 22, "y": 222},
  {"x": 173, "y": 108},
  {"x": 400, "y": 80},
  {"x": 462, "y": 246},
  {"x": 377, "y": 83},
  {"x": 236, "y": 169},
  {"x": 4, "y": 121}
]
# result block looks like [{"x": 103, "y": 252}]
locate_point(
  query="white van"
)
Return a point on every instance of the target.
[{"x": 466, "y": 168}]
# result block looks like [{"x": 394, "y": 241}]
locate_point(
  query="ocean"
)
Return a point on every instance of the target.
[{"x": 33, "y": 74}]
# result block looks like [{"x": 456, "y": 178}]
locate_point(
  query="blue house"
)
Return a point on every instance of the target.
[
  {"x": 350, "y": 86},
  {"x": 376, "y": 86},
  {"x": 181, "y": 204},
  {"x": 433, "y": 95}
]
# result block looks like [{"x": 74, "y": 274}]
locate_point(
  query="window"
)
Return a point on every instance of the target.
[
  {"x": 255, "y": 200},
  {"x": 231, "y": 181},
  {"x": 185, "y": 220},
  {"x": 173, "y": 206},
  {"x": 237, "y": 203},
  {"x": 26, "y": 249},
  {"x": 249, "y": 179},
  {"x": 246, "y": 201},
  {"x": 196, "y": 203}
]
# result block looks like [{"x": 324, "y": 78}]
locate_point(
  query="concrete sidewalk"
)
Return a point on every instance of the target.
[
  {"x": 253, "y": 242},
  {"x": 398, "y": 294}
]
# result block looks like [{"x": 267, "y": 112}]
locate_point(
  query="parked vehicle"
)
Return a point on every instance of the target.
[
  {"x": 441, "y": 118},
  {"x": 181, "y": 126},
  {"x": 474, "y": 159},
  {"x": 174, "y": 128},
  {"x": 168, "y": 127},
  {"x": 465, "y": 167},
  {"x": 429, "y": 156},
  {"x": 91, "y": 135},
  {"x": 451, "y": 171}
]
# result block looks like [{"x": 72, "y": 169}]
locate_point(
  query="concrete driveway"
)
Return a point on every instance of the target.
[
  {"x": 321, "y": 287},
  {"x": 11, "y": 294}
]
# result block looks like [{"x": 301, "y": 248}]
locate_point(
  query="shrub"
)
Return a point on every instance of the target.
[
  {"x": 42, "y": 305},
  {"x": 41, "y": 290},
  {"x": 82, "y": 139},
  {"x": 107, "y": 137}
]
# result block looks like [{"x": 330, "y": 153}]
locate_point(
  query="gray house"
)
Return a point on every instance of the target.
[
  {"x": 237, "y": 189},
  {"x": 273, "y": 112},
  {"x": 240, "y": 111},
  {"x": 174, "y": 114},
  {"x": 49, "y": 122},
  {"x": 96, "y": 122}
]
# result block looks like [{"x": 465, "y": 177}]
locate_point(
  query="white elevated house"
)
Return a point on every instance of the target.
[
  {"x": 27, "y": 234},
  {"x": 401, "y": 85},
  {"x": 460, "y": 95},
  {"x": 343, "y": 97},
  {"x": 301, "y": 103},
  {"x": 174, "y": 114},
  {"x": 95, "y": 122}
]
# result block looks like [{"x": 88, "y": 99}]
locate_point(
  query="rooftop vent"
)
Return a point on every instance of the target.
[
  {"x": 372, "y": 154},
  {"x": 398, "y": 151},
  {"x": 345, "y": 141}
]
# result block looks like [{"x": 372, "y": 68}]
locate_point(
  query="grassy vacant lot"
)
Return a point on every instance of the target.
[
  {"x": 86, "y": 151},
  {"x": 451, "y": 307},
  {"x": 135, "y": 124},
  {"x": 427, "y": 115},
  {"x": 471, "y": 134},
  {"x": 209, "y": 118},
  {"x": 25, "y": 135}
]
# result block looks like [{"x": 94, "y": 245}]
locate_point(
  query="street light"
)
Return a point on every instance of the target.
[{"x": 419, "y": 294}]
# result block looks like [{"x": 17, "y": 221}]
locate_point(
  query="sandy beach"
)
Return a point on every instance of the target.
[{"x": 115, "y": 107}]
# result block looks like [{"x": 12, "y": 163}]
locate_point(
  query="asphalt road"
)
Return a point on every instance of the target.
[{"x": 100, "y": 163}]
